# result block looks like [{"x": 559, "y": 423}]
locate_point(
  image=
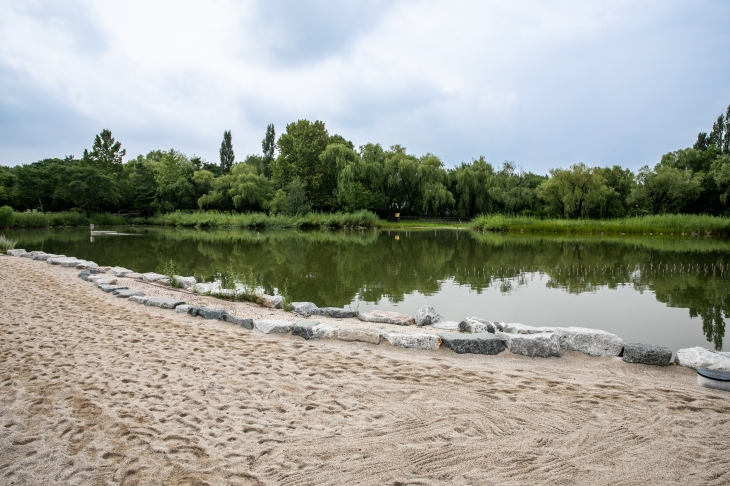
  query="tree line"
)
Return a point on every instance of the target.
[{"x": 308, "y": 169}]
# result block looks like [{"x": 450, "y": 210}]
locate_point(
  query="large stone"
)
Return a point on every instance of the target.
[
  {"x": 426, "y": 316},
  {"x": 593, "y": 342},
  {"x": 127, "y": 293},
  {"x": 63, "y": 261},
  {"x": 120, "y": 271},
  {"x": 104, "y": 281},
  {"x": 247, "y": 323},
  {"x": 16, "y": 253},
  {"x": 183, "y": 309},
  {"x": 207, "y": 288},
  {"x": 163, "y": 302},
  {"x": 84, "y": 275},
  {"x": 699, "y": 357},
  {"x": 361, "y": 335},
  {"x": 134, "y": 275},
  {"x": 72, "y": 263},
  {"x": 647, "y": 354},
  {"x": 47, "y": 256},
  {"x": 313, "y": 330},
  {"x": 539, "y": 345},
  {"x": 303, "y": 308},
  {"x": 387, "y": 317},
  {"x": 479, "y": 343},
  {"x": 415, "y": 341},
  {"x": 95, "y": 277},
  {"x": 206, "y": 313},
  {"x": 185, "y": 282},
  {"x": 516, "y": 328},
  {"x": 50, "y": 258},
  {"x": 32, "y": 254},
  {"x": 271, "y": 326},
  {"x": 335, "y": 312},
  {"x": 272, "y": 301},
  {"x": 447, "y": 325},
  {"x": 112, "y": 288},
  {"x": 140, "y": 299},
  {"x": 474, "y": 325},
  {"x": 82, "y": 265},
  {"x": 153, "y": 277}
]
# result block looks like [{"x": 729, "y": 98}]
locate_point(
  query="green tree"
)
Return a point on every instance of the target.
[
  {"x": 665, "y": 188},
  {"x": 575, "y": 191},
  {"x": 91, "y": 188},
  {"x": 514, "y": 190},
  {"x": 473, "y": 187},
  {"x": 268, "y": 144},
  {"x": 226, "y": 152},
  {"x": 106, "y": 153},
  {"x": 434, "y": 181},
  {"x": 242, "y": 189},
  {"x": 717, "y": 134}
]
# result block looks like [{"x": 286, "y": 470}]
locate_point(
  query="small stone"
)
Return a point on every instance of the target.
[
  {"x": 303, "y": 308},
  {"x": 387, "y": 317},
  {"x": 127, "y": 293},
  {"x": 46, "y": 256},
  {"x": 152, "y": 277},
  {"x": 139, "y": 299},
  {"x": 86, "y": 265},
  {"x": 474, "y": 325},
  {"x": 447, "y": 325},
  {"x": 647, "y": 354},
  {"x": 334, "y": 312},
  {"x": 120, "y": 271},
  {"x": 185, "y": 282},
  {"x": 270, "y": 326},
  {"x": 415, "y": 341},
  {"x": 273, "y": 301},
  {"x": 516, "y": 328},
  {"x": 361, "y": 335},
  {"x": 32, "y": 254},
  {"x": 183, "y": 309},
  {"x": 478, "y": 343},
  {"x": 50, "y": 258},
  {"x": 206, "y": 313},
  {"x": 134, "y": 275},
  {"x": 84, "y": 275},
  {"x": 163, "y": 302},
  {"x": 539, "y": 345},
  {"x": 103, "y": 281},
  {"x": 699, "y": 357},
  {"x": 247, "y": 323},
  {"x": 426, "y": 315},
  {"x": 112, "y": 288},
  {"x": 16, "y": 253}
]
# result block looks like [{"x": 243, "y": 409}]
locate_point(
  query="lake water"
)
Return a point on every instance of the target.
[{"x": 672, "y": 292}]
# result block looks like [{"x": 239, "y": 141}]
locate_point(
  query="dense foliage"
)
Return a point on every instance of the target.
[{"x": 308, "y": 170}]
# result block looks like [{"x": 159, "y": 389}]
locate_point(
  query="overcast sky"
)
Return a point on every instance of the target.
[{"x": 543, "y": 84}]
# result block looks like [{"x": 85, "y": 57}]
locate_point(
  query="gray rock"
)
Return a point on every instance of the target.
[
  {"x": 426, "y": 316},
  {"x": 313, "y": 330},
  {"x": 120, "y": 271},
  {"x": 447, "y": 325},
  {"x": 247, "y": 323},
  {"x": 16, "y": 253},
  {"x": 64, "y": 261},
  {"x": 539, "y": 345},
  {"x": 648, "y": 354},
  {"x": 182, "y": 309},
  {"x": 361, "y": 335},
  {"x": 479, "y": 343},
  {"x": 303, "y": 308},
  {"x": 86, "y": 265},
  {"x": 271, "y": 326},
  {"x": 112, "y": 288},
  {"x": 32, "y": 254},
  {"x": 84, "y": 275},
  {"x": 127, "y": 293},
  {"x": 72, "y": 263},
  {"x": 699, "y": 357},
  {"x": 273, "y": 301},
  {"x": 415, "y": 341},
  {"x": 335, "y": 312},
  {"x": 593, "y": 342},
  {"x": 139, "y": 299},
  {"x": 387, "y": 317},
  {"x": 185, "y": 282},
  {"x": 103, "y": 281},
  {"x": 515, "y": 328},
  {"x": 163, "y": 302},
  {"x": 206, "y": 313},
  {"x": 48, "y": 257},
  {"x": 206, "y": 288},
  {"x": 134, "y": 275},
  {"x": 153, "y": 277},
  {"x": 474, "y": 325}
]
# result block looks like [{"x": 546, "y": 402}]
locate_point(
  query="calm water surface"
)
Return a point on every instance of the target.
[{"x": 668, "y": 291}]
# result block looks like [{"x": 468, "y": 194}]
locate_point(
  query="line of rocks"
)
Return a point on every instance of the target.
[{"x": 471, "y": 335}]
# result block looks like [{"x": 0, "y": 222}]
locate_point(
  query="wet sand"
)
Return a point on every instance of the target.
[{"x": 99, "y": 390}]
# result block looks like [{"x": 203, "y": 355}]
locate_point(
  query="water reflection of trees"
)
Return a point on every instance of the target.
[{"x": 335, "y": 267}]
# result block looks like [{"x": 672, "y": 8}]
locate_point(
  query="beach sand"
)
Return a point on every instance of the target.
[{"x": 99, "y": 390}]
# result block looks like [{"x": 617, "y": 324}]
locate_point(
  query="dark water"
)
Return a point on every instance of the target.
[{"x": 671, "y": 292}]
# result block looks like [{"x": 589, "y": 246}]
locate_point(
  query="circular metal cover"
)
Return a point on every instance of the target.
[{"x": 714, "y": 375}]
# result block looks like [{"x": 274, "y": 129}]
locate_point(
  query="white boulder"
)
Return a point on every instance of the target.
[
  {"x": 415, "y": 341},
  {"x": 699, "y": 357},
  {"x": 539, "y": 345},
  {"x": 271, "y": 326},
  {"x": 426, "y": 315}
]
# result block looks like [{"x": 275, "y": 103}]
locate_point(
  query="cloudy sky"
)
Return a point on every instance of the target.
[{"x": 543, "y": 84}]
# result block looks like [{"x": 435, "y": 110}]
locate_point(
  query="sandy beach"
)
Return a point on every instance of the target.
[{"x": 100, "y": 390}]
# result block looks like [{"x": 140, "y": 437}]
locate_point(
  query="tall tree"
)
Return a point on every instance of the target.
[
  {"x": 106, "y": 153},
  {"x": 716, "y": 135},
  {"x": 702, "y": 142},
  {"x": 726, "y": 140},
  {"x": 268, "y": 144},
  {"x": 226, "y": 152}
]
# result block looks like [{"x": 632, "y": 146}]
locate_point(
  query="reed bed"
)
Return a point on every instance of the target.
[
  {"x": 64, "y": 219},
  {"x": 664, "y": 224},
  {"x": 215, "y": 219}
]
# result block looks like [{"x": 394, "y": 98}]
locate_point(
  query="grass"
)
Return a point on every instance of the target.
[
  {"x": 665, "y": 224},
  {"x": 65, "y": 219},
  {"x": 6, "y": 244},
  {"x": 215, "y": 219}
]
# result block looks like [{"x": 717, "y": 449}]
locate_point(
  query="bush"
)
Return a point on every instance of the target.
[
  {"x": 31, "y": 220},
  {"x": 6, "y": 243},
  {"x": 7, "y": 217}
]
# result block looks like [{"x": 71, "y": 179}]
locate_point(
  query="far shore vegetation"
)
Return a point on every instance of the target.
[{"x": 308, "y": 178}]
